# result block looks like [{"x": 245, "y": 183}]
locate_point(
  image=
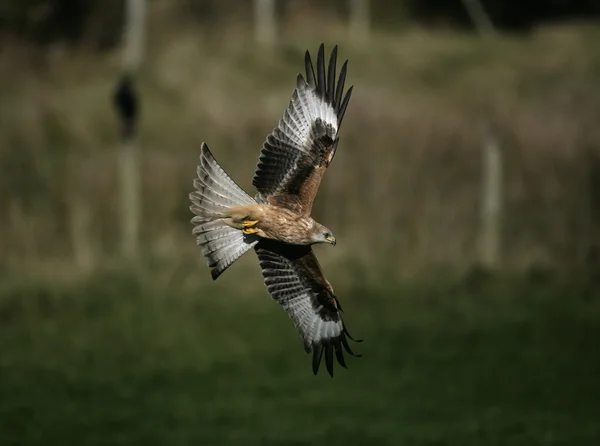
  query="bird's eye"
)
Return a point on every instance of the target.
[{"x": 327, "y": 235}]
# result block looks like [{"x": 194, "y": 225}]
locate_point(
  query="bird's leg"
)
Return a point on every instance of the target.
[{"x": 248, "y": 227}]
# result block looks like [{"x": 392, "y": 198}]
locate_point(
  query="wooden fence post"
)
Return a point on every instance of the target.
[
  {"x": 491, "y": 162},
  {"x": 491, "y": 206},
  {"x": 359, "y": 20},
  {"x": 480, "y": 17},
  {"x": 264, "y": 22},
  {"x": 126, "y": 102}
]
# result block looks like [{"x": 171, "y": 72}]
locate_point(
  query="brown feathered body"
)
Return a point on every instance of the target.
[{"x": 275, "y": 223}]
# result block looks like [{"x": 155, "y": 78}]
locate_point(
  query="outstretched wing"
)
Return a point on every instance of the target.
[
  {"x": 295, "y": 280},
  {"x": 296, "y": 154}
]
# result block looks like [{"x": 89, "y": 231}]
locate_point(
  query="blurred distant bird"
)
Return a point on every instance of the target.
[
  {"x": 126, "y": 102},
  {"x": 277, "y": 222}
]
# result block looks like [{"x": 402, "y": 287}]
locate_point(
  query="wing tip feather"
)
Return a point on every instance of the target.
[
  {"x": 215, "y": 273},
  {"x": 321, "y": 81},
  {"x": 329, "y": 346},
  {"x": 324, "y": 83}
]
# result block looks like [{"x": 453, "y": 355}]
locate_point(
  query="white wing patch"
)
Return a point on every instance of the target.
[
  {"x": 314, "y": 108},
  {"x": 304, "y": 110}
]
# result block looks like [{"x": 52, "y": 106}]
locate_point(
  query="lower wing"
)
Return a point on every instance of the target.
[{"x": 295, "y": 280}]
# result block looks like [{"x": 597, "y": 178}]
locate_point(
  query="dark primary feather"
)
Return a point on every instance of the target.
[
  {"x": 310, "y": 71},
  {"x": 294, "y": 156},
  {"x": 330, "y": 90},
  {"x": 321, "y": 90},
  {"x": 340, "y": 86},
  {"x": 295, "y": 280}
]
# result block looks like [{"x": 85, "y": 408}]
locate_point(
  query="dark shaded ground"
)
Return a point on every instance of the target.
[{"x": 503, "y": 363}]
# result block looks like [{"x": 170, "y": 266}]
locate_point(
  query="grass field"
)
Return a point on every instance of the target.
[{"x": 481, "y": 362}]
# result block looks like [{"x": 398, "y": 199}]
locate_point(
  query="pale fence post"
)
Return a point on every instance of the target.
[
  {"x": 491, "y": 162},
  {"x": 480, "y": 17},
  {"x": 491, "y": 200},
  {"x": 359, "y": 20},
  {"x": 264, "y": 22},
  {"x": 126, "y": 102}
]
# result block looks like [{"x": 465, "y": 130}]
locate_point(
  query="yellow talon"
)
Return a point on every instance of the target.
[
  {"x": 249, "y": 223},
  {"x": 249, "y": 231}
]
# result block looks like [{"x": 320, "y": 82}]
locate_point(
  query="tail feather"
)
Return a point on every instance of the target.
[
  {"x": 205, "y": 201},
  {"x": 201, "y": 207},
  {"x": 208, "y": 189},
  {"x": 221, "y": 182},
  {"x": 210, "y": 231},
  {"x": 215, "y": 192},
  {"x": 229, "y": 252}
]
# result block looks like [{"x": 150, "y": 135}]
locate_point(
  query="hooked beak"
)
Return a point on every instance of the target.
[{"x": 331, "y": 240}]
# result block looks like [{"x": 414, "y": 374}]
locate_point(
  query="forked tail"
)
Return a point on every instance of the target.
[{"x": 215, "y": 193}]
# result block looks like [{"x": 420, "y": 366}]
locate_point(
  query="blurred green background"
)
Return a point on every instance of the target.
[{"x": 478, "y": 299}]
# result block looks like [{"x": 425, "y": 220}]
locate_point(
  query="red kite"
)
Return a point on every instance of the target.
[{"x": 277, "y": 222}]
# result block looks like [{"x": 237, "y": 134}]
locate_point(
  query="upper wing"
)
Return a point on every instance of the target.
[
  {"x": 295, "y": 280},
  {"x": 296, "y": 154}
]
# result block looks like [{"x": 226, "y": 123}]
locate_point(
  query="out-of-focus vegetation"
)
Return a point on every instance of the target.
[{"x": 408, "y": 163}]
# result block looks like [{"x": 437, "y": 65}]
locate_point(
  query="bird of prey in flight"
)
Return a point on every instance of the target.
[{"x": 277, "y": 222}]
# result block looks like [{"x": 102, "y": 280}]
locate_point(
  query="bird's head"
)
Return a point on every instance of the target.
[{"x": 321, "y": 234}]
